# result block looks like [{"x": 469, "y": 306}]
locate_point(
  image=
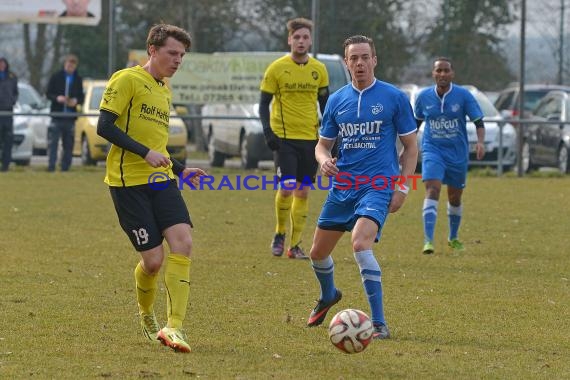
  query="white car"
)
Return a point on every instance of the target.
[
  {"x": 493, "y": 121},
  {"x": 30, "y": 101},
  {"x": 23, "y": 138}
]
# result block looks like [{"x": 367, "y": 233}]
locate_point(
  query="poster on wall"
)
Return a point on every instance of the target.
[{"x": 82, "y": 12}]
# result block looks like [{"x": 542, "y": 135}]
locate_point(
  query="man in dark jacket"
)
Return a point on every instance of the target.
[
  {"x": 65, "y": 90},
  {"x": 8, "y": 97}
]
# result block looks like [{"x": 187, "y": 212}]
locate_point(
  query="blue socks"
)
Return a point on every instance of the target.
[
  {"x": 372, "y": 281},
  {"x": 324, "y": 270},
  {"x": 454, "y": 215},
  {"x": 430, "y": 217}
]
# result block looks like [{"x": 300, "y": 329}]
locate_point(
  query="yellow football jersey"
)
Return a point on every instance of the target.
[
  {"x": 295, "y": 88},
  {"x": 143, "y": 108}
]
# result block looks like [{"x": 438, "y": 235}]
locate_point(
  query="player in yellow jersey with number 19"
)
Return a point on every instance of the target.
[
  {"x": 294, "y": 82},
  {"x": 134, "y": 116}
]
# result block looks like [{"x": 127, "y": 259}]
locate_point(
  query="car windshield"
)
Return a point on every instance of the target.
[
  {"x": 532, "y": 97},
  {"x": 336, "y": 73},
  {"x": 96, "y": 96},
  {"x": 487, "y": 107},
  {"x": 27, "y": 95}
]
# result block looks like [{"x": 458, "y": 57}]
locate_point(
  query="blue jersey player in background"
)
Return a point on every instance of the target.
[
  {"x": 367, "y": 116},
  {"x": 445, "y": 150}
]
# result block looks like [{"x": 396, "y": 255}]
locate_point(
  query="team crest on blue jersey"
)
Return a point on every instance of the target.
[
  {"x": 455, "y": 107},
  {"x": 315, "y": 75},
  {"x": 376, "y": 109}
]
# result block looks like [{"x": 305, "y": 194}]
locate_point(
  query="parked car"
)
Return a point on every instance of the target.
[
  {"x": 23, "y": 137},
  {"x": 507, "y": 102},
  {"x": 243, "y": 137},
  {"x": 548, "y": 144},
  {"x": 93, "y": 148},
  {"x": 492, "y": 96},
  {"x": 493, "y": 121},
  {"x": 31, "y": 101}
]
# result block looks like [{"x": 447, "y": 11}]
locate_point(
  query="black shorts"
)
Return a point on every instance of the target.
[
  {"x": 144, "y": 213},
  {"x": 296, "y": 159}
]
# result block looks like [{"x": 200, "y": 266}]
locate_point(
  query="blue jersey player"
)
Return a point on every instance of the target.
[
  {"x": 445, "y": 150},
  {"x": 367, "y": 116}
]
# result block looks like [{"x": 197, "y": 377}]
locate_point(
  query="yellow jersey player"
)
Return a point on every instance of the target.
[
  {"x": 134, "y": 116},
  {"x": 294, "y": 83}
]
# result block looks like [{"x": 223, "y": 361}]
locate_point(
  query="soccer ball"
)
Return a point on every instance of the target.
[{"x": 351, "y": 331}]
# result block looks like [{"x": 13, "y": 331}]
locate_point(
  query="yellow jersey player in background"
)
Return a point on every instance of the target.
[
  {"x": 294, "y": 82},
  {"x": 135, "y": 109}
]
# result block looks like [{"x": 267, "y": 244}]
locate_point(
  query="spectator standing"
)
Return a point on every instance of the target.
[
  {"x": 65, "y": 91},
  {"x": 8, "y": 98}
]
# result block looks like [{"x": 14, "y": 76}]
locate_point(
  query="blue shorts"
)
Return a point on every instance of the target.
[
  {"x": 434, "y": 167},
  {"x": 342, "y": 208}
]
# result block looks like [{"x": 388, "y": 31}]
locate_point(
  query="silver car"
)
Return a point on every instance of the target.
[
  {"x": 30, "y": 101},
  {"x": 493, "y": 123},
  {"x": 23, "y": 138}
]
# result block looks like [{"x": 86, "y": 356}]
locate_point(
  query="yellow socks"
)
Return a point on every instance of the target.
[
  {"x": 282, "y": 211},
  {"x": 177, "y": 280},
  {"x": 146, "y": 289},
  {"x": 299, "y": 213}
]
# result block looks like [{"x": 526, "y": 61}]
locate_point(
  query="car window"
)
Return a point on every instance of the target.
[
  {"x": 548, "y": 107},
  {"x": 96, "y": 95},
  {"x": 27, "y": 95},
  {"x": 336, "y": 71},
  {"x": 505, "y": 100},
  {"x": 532, "y": 97}
]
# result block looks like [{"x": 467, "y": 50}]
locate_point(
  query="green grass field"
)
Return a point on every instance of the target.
[{"x": 500, "y": 310}]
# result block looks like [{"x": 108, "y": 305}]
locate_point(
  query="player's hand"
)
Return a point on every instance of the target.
[
  {"x": 329, "y": 168},
  {"x": 397, "y": 201},
  {"x": 156, "y": 159},
  {"x": 194, "y": 175},
  {"x": 480, "y": 150},
  {"x": 271, "y": 139}
]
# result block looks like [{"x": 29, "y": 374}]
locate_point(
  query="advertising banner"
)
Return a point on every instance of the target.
[
  {"x": 83, "y": 12},
  {"x": 216, "y": 78}
]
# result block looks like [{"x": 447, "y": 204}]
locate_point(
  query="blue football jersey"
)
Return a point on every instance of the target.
[
  {"x": 445, "y": 131},
  {"x": 367, "y": 123}
]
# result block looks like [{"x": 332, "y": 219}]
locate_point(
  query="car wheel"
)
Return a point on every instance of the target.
[
  {"x": 527, "y": 165},
  {"x": 247, "y": 161},
  {"x": 86, "y": 153},
  {"x": 216, "y": 158},
  {"x": 563, "y": 159},
  {"x": 22, "y": 162}
]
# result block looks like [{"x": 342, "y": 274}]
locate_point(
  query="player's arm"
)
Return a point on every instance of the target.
[
  {"x": 327, "y": 163},
  {"x": 273, "y": 142},
  {"x": 409, "y": 156},
  {"x": 480, "y": 147},
  {"x": 408, "y": 160},
  {"x": 106, "y": 128},
  {"x": 322, "y": 97}
]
